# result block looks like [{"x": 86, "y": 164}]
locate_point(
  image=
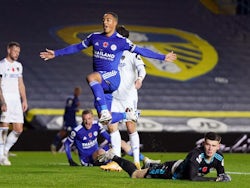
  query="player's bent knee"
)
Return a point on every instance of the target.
[{"x": 112, "y": 128}]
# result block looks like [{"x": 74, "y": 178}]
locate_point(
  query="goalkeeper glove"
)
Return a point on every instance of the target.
[
  {"x": 72, "y": 163},
  {"x": 223, "y": 178}
]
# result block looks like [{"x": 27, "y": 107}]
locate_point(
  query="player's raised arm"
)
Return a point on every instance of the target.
[
  {"x": 170, "y": 57},
  {"x": 74, "y": 48},
  {"x": 48, "y": 54}
]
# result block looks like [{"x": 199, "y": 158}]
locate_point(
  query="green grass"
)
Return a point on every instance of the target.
[{"x": 43, "y": 169}]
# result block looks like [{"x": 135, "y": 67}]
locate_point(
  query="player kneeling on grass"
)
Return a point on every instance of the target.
[
  {"x": 84, "y": 138},
  {"x": 194, "y": 167}
]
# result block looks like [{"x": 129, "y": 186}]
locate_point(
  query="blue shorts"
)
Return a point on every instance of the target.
[
  {"x": 88, "y": 161},
  {"x": 161, "y": 171},
  {"x": 110, "y": 83},
  {"x": 110, "y": 80}
]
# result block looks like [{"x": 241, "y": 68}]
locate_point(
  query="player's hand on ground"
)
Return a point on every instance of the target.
[
  {"x": 224, "y": 178},
  {"x": 72, "y": 163},
  {"x": 170, "y": 57},
  {"x": 49, "y": 54}
]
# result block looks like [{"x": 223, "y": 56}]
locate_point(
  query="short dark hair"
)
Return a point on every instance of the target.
[
  {"x": 87, "y": 111},
  {"x": 122, "y": 31},
  {"x": 212, "y": 136},
  {"x": 77, "y": 88},
  {"x": 113, "y": 14},
  {"x": 13, "y": 43}
]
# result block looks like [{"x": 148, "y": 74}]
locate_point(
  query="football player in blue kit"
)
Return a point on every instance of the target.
[
  {"x": 84, "y": 137},
  {"x": 108, "y": 47},
  {"x": 199, "y": 162},
  {"x": 72, "y": 106}
]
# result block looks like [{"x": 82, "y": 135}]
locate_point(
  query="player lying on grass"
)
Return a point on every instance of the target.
[{"x": 194, "y": 167}]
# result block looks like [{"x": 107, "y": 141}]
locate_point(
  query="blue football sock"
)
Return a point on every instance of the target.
[
  {"x": 130, "y": 152},
  {"x": 97, "y": 90},
  {"x": 141, "y": 157}
]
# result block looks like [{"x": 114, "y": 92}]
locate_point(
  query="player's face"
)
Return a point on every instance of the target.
[
  {"x": 77, "y": 91},
  {"x": 109, "y": 24},
  {"x": 87, "y": 120},
  {"x": 13, "y": 52},
  {"x": 211, "y": 146}
]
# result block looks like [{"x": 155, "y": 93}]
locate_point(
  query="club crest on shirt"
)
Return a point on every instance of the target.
[
  {"x": 113, "y": 47},
  {"x": 195, "y": 56},
  {"x": 73, "y": 134}
]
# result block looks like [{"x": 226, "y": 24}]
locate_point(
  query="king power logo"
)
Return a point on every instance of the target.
[{"x": 195, "y": 55}]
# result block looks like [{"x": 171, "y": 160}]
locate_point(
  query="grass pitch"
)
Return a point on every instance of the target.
[{"x": 43, "y": 169}]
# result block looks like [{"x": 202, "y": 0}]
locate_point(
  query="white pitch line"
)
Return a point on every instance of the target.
[
  {"x": 58, "y": 163},
  {"x": 242, "y": 173}
]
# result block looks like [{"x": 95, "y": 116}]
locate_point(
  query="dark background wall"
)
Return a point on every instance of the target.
[{"x": 31, "y": 23}]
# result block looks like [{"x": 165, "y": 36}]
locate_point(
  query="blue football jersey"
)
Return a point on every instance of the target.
[
  {"x": 86, "y": 141},
  {"x": 70, "y": 110},
  {"x": 107, "y": 51}
]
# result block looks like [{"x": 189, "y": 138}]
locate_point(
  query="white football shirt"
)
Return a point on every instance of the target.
[
  {"x": 10, "y": 72},
  {"x": 129, "y": 74},
  {"x": 126, "y": 96}
]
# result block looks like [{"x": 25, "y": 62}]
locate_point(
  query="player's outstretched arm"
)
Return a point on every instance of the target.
[
  {"x": 170, "y": 57},
  {"x": 48, "y": 54},
  {"x": 67, "y": 146}
]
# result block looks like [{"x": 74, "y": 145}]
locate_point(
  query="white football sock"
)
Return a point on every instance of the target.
[
  {"x": 11, "y": 140},
  {"x": 116, "y": 142},
  {"x": 135, "y": 144},
  {"x": 3, "y": 136}
]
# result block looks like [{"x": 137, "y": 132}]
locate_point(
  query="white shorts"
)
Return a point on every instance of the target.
[
  {"x": 122, "y": 105},
  {"x": 14, "y": 113}
]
